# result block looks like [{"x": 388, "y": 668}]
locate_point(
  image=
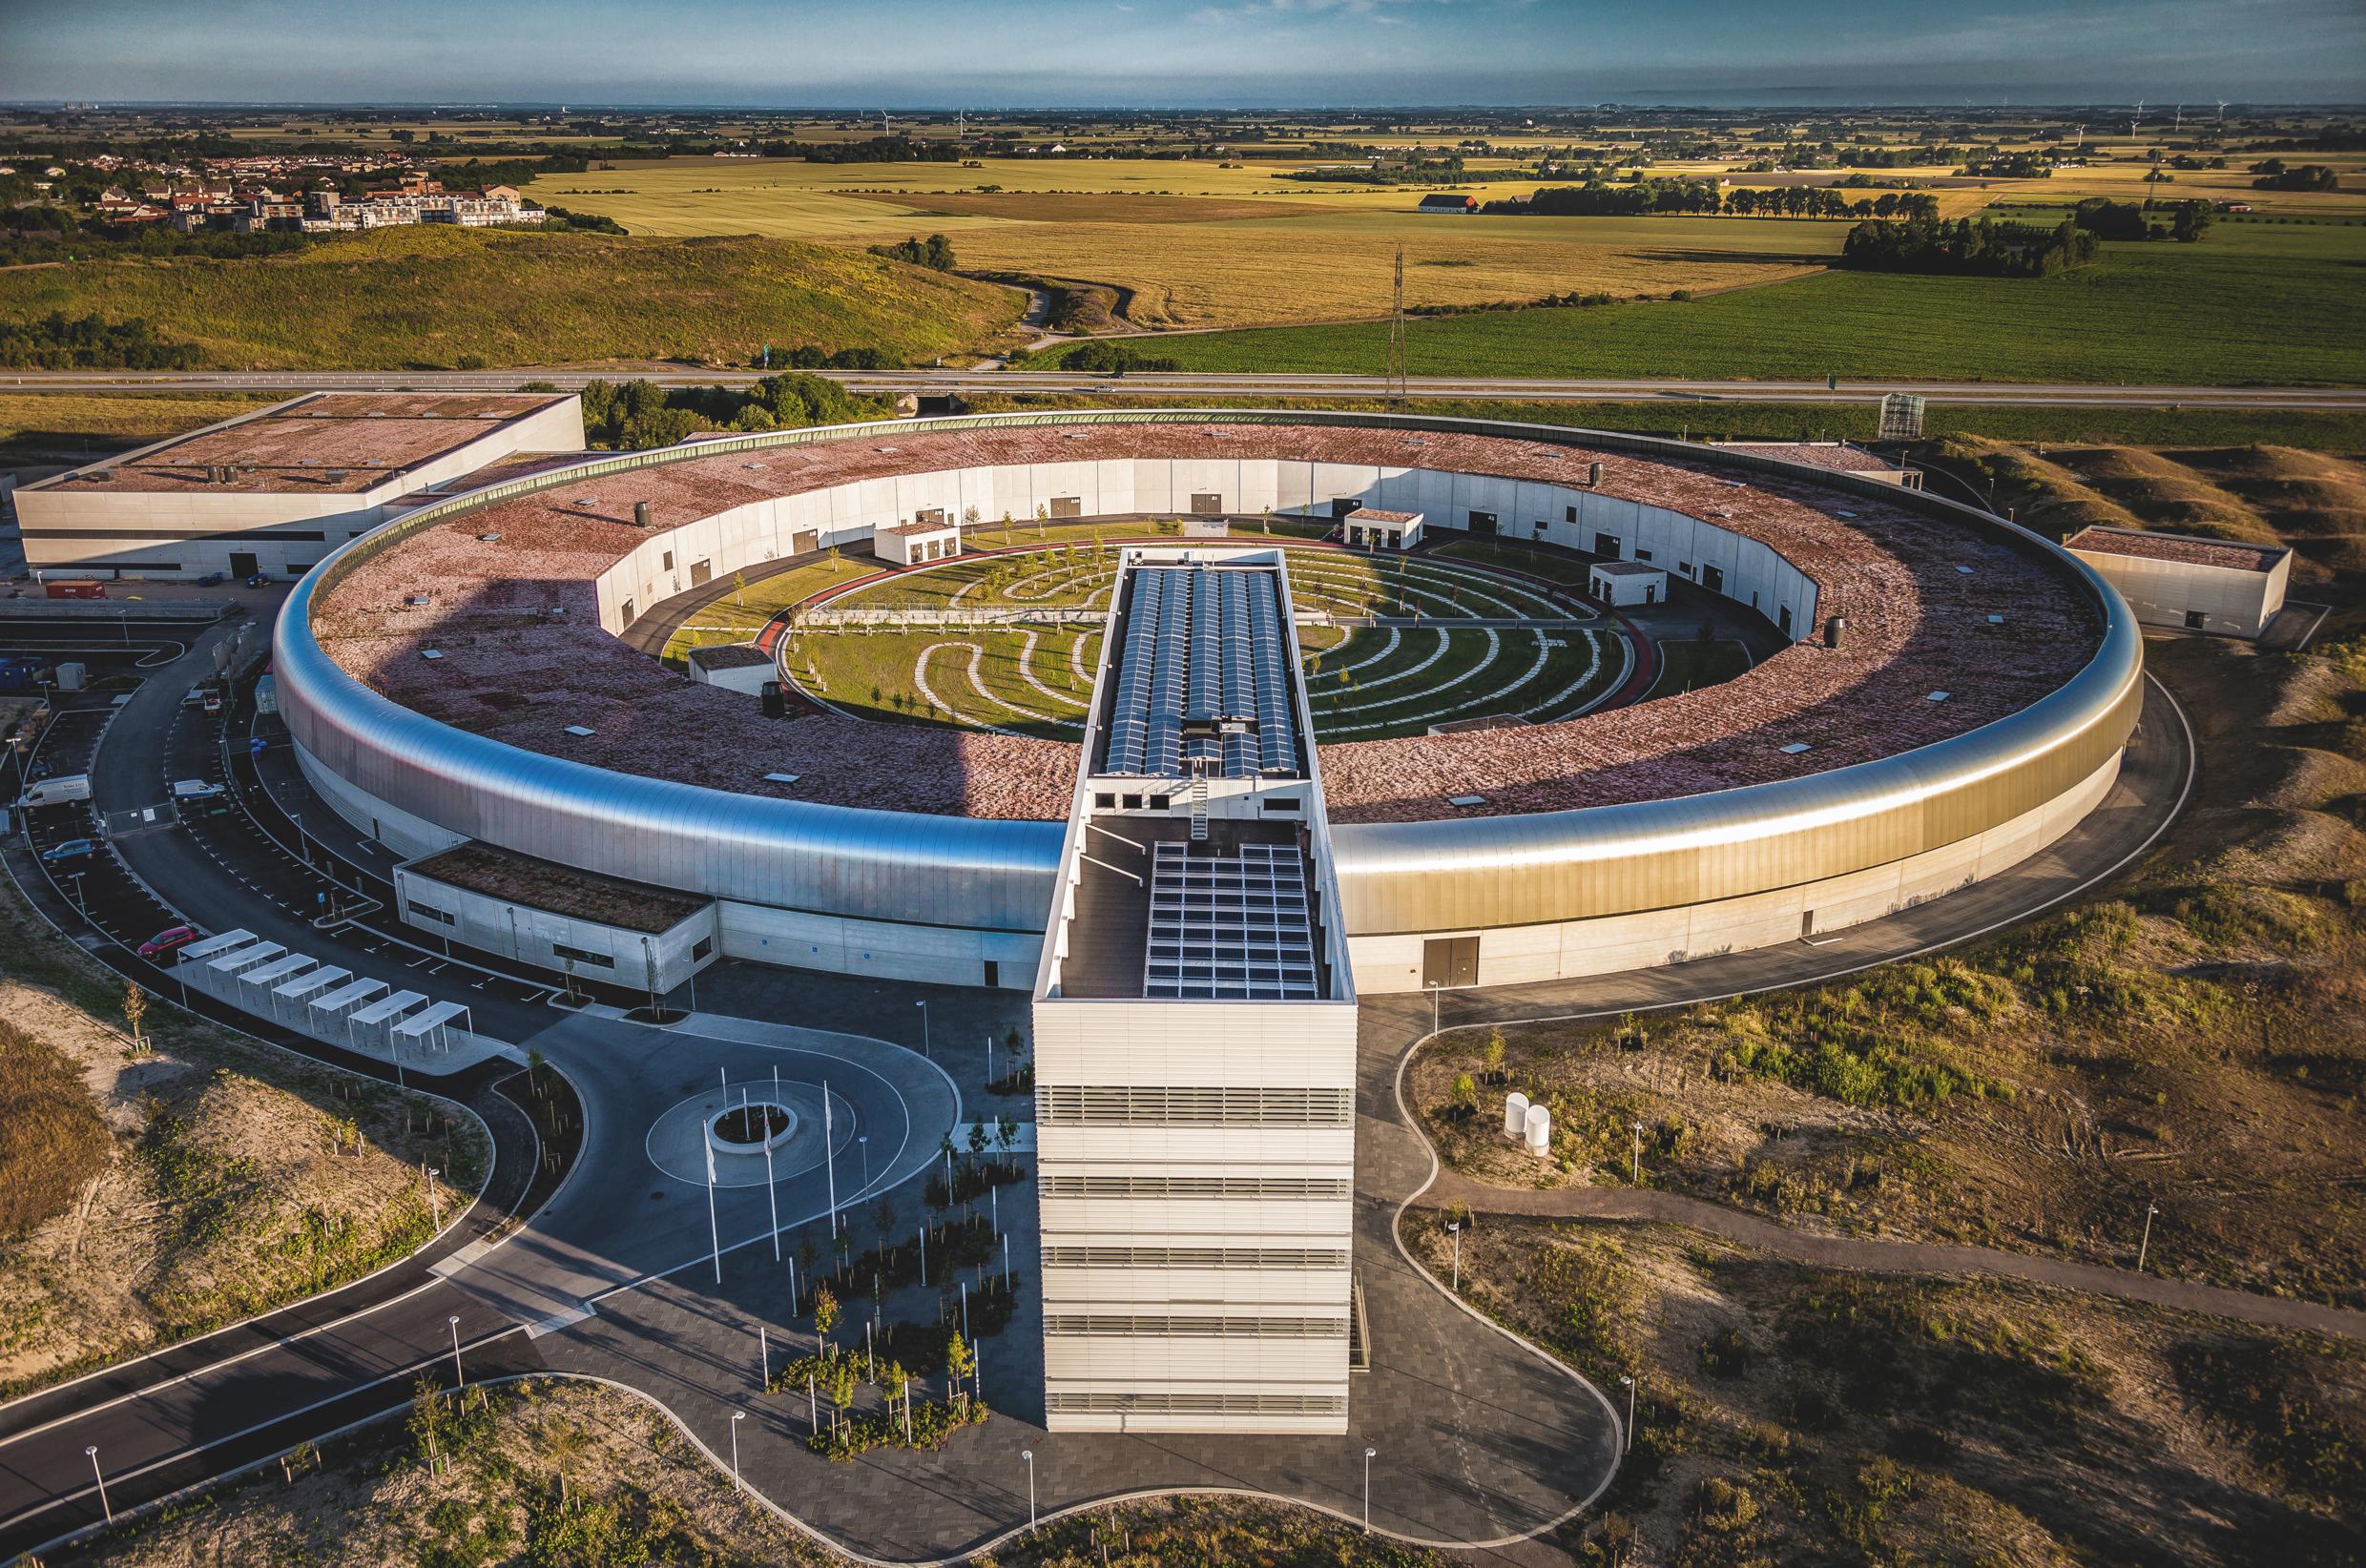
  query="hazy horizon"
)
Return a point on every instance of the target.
[{"x": 1257, "y": 55}]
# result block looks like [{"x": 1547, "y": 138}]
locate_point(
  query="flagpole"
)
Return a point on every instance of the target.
[
  {"x": 713, "y": 1234},
  {"x": 829, "y": 1156}
]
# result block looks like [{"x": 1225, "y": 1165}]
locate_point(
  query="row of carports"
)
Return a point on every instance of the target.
[{"x": 323, "y": 1001}]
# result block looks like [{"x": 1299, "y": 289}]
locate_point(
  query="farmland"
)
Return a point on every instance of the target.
[
  {"x": 2143, "y": 313},
  {"x": 427, "y": 298}
]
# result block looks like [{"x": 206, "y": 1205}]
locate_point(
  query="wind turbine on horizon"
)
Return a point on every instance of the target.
[{"x": 2137, "y": 115}]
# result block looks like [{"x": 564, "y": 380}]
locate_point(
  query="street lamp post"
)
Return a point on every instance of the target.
[
  {"x": 460, "y": 1376},
  {"x": 1367, "y": 1489},
  {"x": 1028, "y": 1454},
  {"x": 862, "y": 1142},
  {"x": 926, "y": 1049},
  {"x": 1454, "y": 1228},
  {"x": 1434, "y": 989},
  {"x": 435, "y": 1198},
  {"x": 1629, "y": 1444},
  {"x": 100, "y": 1477},
  {"x": 1634, "y": 1171},
  {"x": 2145, "y": 1246},
  {"x": 736, "y": 1417}
]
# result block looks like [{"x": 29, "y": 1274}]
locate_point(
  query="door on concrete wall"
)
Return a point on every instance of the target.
[
  {"x": 1607, "y": 544},
  {"x": 1450, "y": 962},
  {"x": 805, "y": 542},
  {"x": 243, "y": 564},
  {"x": 1344, "y": 504},
  {"x": 1482, "y": 523},
  {"x": 933, "y": 517},
  {"x": 1067, "y": 505},
  {"x": 1206, "y": 505},
  {"x": 701, "y": 573},
  {"x": 1712, "y": 579}
]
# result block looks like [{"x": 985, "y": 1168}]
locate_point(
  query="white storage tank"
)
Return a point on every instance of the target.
[
  {"x": 1540, "y": 1131},
  {"x": 1515, "y": 1114}
]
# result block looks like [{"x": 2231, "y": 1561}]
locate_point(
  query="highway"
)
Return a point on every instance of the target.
[{"x": 1187, "y": 385}]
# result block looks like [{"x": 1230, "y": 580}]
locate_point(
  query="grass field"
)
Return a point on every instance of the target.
[
  {"x": 428, "y": 298},
  {"x": 2145, "y": 312},
  {"x": 1363, "y": 682},
  {"x": 1685, "y": 665},
  {"x": 71, "y": 426}
]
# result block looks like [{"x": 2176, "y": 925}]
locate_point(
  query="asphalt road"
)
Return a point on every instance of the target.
[{"x": 1190, "y": 384}]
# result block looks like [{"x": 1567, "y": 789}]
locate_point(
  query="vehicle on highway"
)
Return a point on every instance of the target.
[
  {"x": 56, "y": 791},
  {"x": 71, "y": 849},
  {"x": 167, "y": 939},
  {"x": 76, "y": 587},
  {"x": 194, "y": 789}
]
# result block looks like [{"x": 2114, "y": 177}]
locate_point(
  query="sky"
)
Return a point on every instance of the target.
[{"x": 1181, "y": 54}]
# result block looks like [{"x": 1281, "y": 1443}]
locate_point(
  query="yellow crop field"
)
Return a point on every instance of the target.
[{"x": 1196, "y": 245}]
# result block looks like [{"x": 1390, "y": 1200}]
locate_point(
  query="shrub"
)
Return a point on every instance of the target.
[{"x": 52, "y": 1139}]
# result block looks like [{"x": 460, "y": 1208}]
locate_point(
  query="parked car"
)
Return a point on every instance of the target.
[
  {"x": 167, "y": 939},
  {"x": 262, "y": 579},
  {"x": 212, "y": 701},
  {"x": 212, "y": 579},
  {"x": 71, "y": 849}
]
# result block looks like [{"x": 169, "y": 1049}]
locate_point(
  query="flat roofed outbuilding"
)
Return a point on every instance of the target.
[
  {"x": 275, "y": 490},
  {"x": 1371, "y": 527},
  {"x": 2185, "y": 580},
  {"x": 1621, "y": 583}
]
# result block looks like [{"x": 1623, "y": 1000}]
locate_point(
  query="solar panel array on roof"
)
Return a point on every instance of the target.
[
  {"x": 1202, "y": 678},
  {"x": 1229, "y": 927}
]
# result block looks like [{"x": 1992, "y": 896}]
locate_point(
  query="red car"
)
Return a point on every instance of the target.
[{"x": 167, "y": 939}]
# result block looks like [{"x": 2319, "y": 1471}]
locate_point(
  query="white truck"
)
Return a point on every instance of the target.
[
  {"x": 56, "y": 791},
  {"x": 194, "y": 789}
]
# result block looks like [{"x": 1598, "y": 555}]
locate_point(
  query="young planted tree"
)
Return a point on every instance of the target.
[
  {"x": 1495, "y": 1055},
  {"x": 135, "y": 1009},
  {"x": 1465, "y": 1092},
  {"x": 962, "y": 1363},
  {"x": 824, "y": 1312}
]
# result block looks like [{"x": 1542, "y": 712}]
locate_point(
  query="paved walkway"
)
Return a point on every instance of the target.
[{"x": 1887, "y": 1257}]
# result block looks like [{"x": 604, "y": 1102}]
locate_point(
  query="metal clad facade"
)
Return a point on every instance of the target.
[{"x": 383, "y": 766}]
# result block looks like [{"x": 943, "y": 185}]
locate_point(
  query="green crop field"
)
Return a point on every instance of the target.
[
  {"x": 2145, "y": 312},
  {"x": 430, "y": 297}
]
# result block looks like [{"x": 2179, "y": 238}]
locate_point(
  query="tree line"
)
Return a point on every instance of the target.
[
  {"x": 935, "y": 252},
  {"x": 1676, "y": 197},
  {"x": 626, "y": 416},
  {"x": 58, "y": 341},
  {"x": 1964, "y": 248}
]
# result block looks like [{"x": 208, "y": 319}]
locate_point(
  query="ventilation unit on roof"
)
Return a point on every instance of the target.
[
  {"x": 1964, "y": 571},
  {"x": 780, "y": 778},
  {"x": 1843, "y": 514},
  {"x": 418, "y": 601},
  {"x": 579, "y": 729},
  {"x": 1795, "y": 748},
  {"x": 1467, "y": 800},
  {"x": 429, "y": 414},
  {"x": 431, "y": 652},
  {"x": 1996, "y": 620},
  {"x": 375, "y": 414},
  {"x": 1836, "y": 631},
  {"x": 640, "y": 514},
  {"x": 102, "y": 475},
  {"x": 336, "y": 476},
  {"x": 1939, "y": 697},
  {"x": 1593, "y": 475},
  {"x": 489, "y": 539}
]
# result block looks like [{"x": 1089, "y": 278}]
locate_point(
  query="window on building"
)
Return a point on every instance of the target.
[
  {"x": 1122, "y": 1105},
  {"x": 2195, "y": 619},
  {"x": 700, "y": 948},
  {"x": 1643, "y": 555},
  {"x": 578, "y": 955},
  {"x": 669, "y": 560},
  {"x": 428, "y": 912}
]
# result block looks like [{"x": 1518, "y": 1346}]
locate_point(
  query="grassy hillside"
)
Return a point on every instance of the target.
[
  {"x": 74, "y": 426},
  {"x": 427, "y": 298},
  {"x": 2156, "y": 313}
]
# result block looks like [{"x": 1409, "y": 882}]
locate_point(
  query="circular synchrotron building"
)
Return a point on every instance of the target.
[{"x": 1931, "y": 695}]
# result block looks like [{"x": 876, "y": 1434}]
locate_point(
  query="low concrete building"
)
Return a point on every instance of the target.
[
  {"x": 276, "y": 490},
  {"x": 1369, "y": 528},
  {"x": 929, "y": 538},
  {"x": 554, "y": 916},
  {"x": 2193, "y": 583},
  {"x": 1623, "y": 582}
]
